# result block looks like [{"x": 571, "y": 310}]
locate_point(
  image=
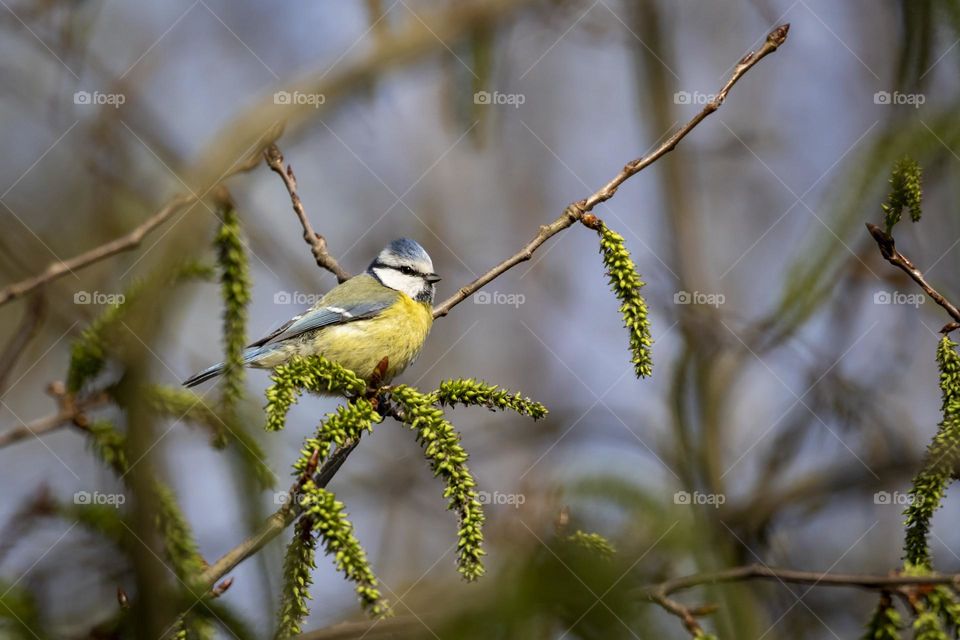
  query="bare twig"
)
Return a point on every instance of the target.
[
  {"x": 318, "y": 244},
  {"x": 70, "y": 410},
  {"x": 890, "y": 253},
  {"x": 29, "y": 325},
  {"x": 386, "y": 628},
  {"x": 131, "y": 240},
  {"x": 660, "y": 593},
  {"x": 577, "y": 210}
]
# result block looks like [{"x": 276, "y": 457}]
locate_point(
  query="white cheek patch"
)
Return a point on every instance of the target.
[{"x": 410, "y": 285}]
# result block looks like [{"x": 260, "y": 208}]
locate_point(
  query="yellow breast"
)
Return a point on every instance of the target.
[{"x": 398, "y": 333}]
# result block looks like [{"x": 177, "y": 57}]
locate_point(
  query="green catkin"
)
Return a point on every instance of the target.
[
  {"x": 448, "y": 460},
  {"x": 235, "y": 289},
  {"x": 625, "y": 283},
  {"x": 885, "y": 623},
  {"x": 466, "y": 391},
  {"x": 593, "y": 542},
  {"x": 315, "y": 374},
  {"x": 337, "y": 428},
  {"x": 943, "y": 455},
  {"x": 329, "y": 521},
  {"x": 906, "y": 192},
  {"x": 298, "y": 564}
]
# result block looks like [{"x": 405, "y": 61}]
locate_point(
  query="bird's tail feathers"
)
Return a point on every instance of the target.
[{"x": 250, "y": 355}]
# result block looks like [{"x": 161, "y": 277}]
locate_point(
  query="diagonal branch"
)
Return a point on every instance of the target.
[
  {"x": 577, "y": 210},
  {"x": 318, "y": 244},
  {"x": 890, "y": 253}
]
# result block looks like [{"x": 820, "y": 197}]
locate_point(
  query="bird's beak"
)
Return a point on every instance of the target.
[{"x": 432, "y": 277}]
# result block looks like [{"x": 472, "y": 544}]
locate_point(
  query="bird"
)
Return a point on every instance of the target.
[{"x": 385, "y": 312}]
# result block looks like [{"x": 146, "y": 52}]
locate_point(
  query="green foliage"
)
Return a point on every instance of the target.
[
  {"x": 593, "y": 542},
  {"x": 297, "y": 565},
  {"x": 625, "y": 283},
  {"x": 886, "y": 623},
  {"x": 906, "y": 192},
  {"x": 19, "y": 616},
  {"x": 315, "y": 374},
  {"x": 449, "y": 460},
  {"x": 109, "y": 445},
  {"x": 943, "y": 455},
  {"x": 467, "y": 391},
  {"x": 180, "y": 547},
  {"x": 346, "y": 423},
  {"x": 235, "y": 289},
  {"x": 330, "y": 522},
  {"x": 182, "y": 404},
  {"x": 88, "y": 354}
]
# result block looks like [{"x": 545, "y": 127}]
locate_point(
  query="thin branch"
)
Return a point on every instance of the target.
[
  {"x": 890, "y": 253},
  {"x": 318, "y": 244},
  {"x": 276, "y": 523},
  {"x": 660, "y": 593},
  {"x": 70, "y": 410},
  {"x": 386, "y": 628},
  {"x": 577, "y": 210},
  {"x": 129, "y": 241}
]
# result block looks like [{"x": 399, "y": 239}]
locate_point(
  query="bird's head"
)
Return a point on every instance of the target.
[{"x": 405, "y": 266}]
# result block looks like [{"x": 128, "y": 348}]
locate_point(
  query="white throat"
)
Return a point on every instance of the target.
[{"x": 413, "y": 286}]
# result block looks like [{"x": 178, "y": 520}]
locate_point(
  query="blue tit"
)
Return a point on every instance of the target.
[{"x": 385, "y": 312}]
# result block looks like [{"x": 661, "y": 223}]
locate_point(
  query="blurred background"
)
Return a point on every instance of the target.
[{"x": 794, "y": 386}]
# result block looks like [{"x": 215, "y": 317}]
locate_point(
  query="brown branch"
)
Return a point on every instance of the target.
[
  {"x": 386, "y": 628},
  {"x": 890, "y": 253},
  {"x": 318, "y": 244},
  {"x": 131, "y": 240},
  {"x": 660, "y": 593},
  {"x": 276, "y": 523},
  {"x": 70, "y": 410},
  {"x": 576, "y": 211}
]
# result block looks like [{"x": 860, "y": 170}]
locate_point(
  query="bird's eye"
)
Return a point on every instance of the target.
[{"x": 406, "y": 270}]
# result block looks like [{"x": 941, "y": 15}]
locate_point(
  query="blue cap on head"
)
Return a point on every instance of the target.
[{"x": 408, "y": 249}]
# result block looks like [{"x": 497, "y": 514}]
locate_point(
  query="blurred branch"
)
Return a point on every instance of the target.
[
  {"x": 890, "y": 253},
  {"x": 277, "y": 522},
  {"x": 132, "y": 240},
  {"x": 29, "y": 325},
  {"x": 70, "y": 410},
  {"x": 389, "y": 627},
  {"x": 660, "y": 593},
  {"x": 318, "y": 244},
  {"x": 577, "y": 211}
]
